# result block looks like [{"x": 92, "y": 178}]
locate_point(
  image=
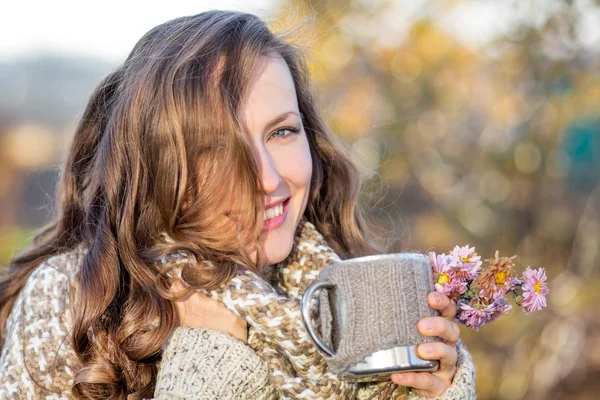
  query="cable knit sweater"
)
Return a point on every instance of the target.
[{"x": 37, "y": 360}]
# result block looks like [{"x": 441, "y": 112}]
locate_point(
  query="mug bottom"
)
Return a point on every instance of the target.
[{"x": 381, "y": 364}]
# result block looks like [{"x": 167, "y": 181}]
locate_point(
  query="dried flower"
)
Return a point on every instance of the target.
[
  {"x": 498, "y": 279},
  {"x": 534, "y": 289}
]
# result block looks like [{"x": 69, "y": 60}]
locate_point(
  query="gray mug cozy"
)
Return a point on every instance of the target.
[{"x": 384, "y": 297}]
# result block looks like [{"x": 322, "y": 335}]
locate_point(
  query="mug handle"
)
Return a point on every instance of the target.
[{"x": 306, "y": 297}]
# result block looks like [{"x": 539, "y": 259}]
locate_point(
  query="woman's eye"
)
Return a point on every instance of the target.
[{"x": 284, "y": 132}]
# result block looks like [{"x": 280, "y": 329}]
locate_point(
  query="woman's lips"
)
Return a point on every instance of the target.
[
  {"x": 275, "y": 222},
  {"x": 271, "y": 223}
]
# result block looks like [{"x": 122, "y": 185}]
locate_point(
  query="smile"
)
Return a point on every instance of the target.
[{"x": 275, "y": 215}]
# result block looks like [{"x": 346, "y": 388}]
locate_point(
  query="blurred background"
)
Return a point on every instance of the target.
[{"x": 473, "y": 122}]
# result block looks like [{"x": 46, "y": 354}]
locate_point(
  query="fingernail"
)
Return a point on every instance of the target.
[
  {"x": 436, "y": 298},
  {"x": 399, "y": 377},
  {"x": 426, "y": 348},
  {"x": 427, "y": 325}
]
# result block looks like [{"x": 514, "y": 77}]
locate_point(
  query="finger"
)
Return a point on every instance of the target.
[
  {"x": 439, "y": 351},
  {"x": 442, "y": 303},
  {"x": 446, "y": 330},
  {"x": 424, "y": 381}
]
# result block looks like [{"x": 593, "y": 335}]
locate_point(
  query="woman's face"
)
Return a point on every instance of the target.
[{"x": 271, "y": 119}]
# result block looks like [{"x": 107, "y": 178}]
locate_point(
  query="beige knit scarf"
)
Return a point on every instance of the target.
[{"x": 271, "y": 307}]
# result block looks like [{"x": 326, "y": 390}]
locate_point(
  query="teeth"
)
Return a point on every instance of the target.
[{"x": 274, "y": 211}]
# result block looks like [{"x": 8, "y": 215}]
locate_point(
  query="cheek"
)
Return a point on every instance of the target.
[
  {"x": 304, "y": 168},
  {"x": 296, "y": 165}
]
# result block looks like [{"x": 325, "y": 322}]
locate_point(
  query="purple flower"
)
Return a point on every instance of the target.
[
  {"x": 467, "y": 263},
  {"x": 445, "y": 281},
  {"x": 439, "y": 262},
  {"x": 498, "y": 308},
  {"x": 534, "y": 289},
  {"x": 477, "y": 315},
  {"x": 473, "y": 317}
]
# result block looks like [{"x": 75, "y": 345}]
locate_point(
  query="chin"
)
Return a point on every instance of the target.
[{"x": 277, "y": 247}]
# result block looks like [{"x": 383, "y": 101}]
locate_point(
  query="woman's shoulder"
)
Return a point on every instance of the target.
[
  {"x": 53, "y": 279},
  {"x": 37, "y": 356},
  {"x": 50, "y": 283},
  {"x": 66, "y": 263},
  {"x": 46, "y": 293}
]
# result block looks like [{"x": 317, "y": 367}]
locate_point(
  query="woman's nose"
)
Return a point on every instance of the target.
[{"x": 269, "y": 176}]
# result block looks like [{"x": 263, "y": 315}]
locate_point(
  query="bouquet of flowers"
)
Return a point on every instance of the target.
[{"x": 480, "y": 291}]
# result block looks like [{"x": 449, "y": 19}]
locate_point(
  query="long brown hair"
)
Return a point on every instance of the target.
[{"x": 158, "y": 151}]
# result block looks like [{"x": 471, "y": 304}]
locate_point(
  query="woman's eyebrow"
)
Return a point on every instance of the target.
[{"x": 278, "y": 119}]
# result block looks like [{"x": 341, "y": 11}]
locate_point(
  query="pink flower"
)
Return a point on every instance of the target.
[
  {"x": 534, "y": 289},
  {"x": 443, "y": 274},
  {"x": 477, "y": 315},
  {"x": 439, "y": 262},
  {"x": 498, "y": 308},
  {"x": 467, "y": 263},
  {"x": 473, "y": 317}
]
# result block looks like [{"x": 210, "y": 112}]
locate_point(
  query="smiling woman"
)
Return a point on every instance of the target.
[
  {"x": 282, "y": 151},
  {"x": 202, "y": 194}
]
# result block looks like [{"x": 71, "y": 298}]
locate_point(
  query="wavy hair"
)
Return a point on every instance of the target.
[{"x": 148, "y": 160}]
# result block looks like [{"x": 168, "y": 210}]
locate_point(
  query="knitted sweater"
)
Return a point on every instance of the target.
[{"x": 38, "y": 361}]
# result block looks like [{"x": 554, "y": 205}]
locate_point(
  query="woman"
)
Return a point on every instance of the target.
[{"x": 207, "y": 127}]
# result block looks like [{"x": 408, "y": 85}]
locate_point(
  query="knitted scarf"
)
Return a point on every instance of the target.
[
  {"x": 276, "y": 330},
  {"x": 271, "y": 307}
]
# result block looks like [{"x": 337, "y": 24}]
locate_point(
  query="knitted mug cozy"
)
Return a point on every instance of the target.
[{"x": 372, "y": 304}]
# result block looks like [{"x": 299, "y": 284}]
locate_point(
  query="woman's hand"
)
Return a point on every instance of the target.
[
  {"x": 433, "y": 384},
  {"x": 200, "y": 311}
]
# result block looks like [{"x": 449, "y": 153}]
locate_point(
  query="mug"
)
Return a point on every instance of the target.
[{"x": 368, "y": 314}]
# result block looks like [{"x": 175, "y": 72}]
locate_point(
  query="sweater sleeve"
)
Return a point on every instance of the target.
[
  {"x": 208, "y": 364},
  {"x": 37, "y": 360},
  {"x": 462, "y": 387}
]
